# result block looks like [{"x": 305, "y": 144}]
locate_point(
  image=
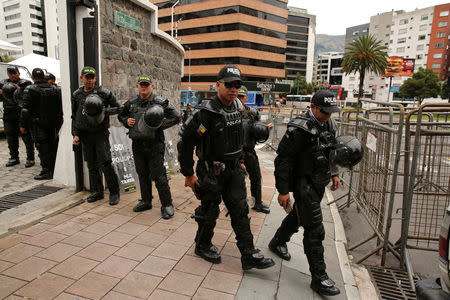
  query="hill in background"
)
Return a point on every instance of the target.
[{"x": 329, "y": 43}]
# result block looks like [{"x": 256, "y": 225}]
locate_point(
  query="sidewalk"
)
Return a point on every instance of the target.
[{"x": 95, "y": 251}]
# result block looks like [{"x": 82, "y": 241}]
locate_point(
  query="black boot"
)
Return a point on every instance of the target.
[
  {"x": 324, "y": 286},
  {"x": 29, "y": 163},
  {"x": 261, "y": 207},
  {"x": 142, "y": 205},
  {"x": 95, "y": 196},
  {"x": 44, "y": 175},
  {"x": 279, "y": 248},
  {"x": 167, "y": 212},
  {"x": 254, "y": 259},
  {"x": 12, "y": 162},
  {"x": 114, "y": 199},
  {"x": 207, "y": 253}
]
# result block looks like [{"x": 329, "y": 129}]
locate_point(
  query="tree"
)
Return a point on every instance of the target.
[
  {"x": 423, "y": 84},
  {"x": 445, "y": 91},
  {"x": 6, "y": 58},
  {"x": 365, "y": 54}
]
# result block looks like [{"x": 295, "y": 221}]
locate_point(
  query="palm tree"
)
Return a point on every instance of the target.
[{"x": 365, "y": 54}]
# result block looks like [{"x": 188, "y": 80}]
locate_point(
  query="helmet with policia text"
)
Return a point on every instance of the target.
[
  {"x": 347, "y": 152},
  {"x": 151, "y": 120},
  {"x": 260, "y": 132},
  {"x": 8, "y": 90},
  {"x": 94, "y": 109}
]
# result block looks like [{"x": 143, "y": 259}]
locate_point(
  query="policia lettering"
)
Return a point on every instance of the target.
[
  {"x": 302, "y": 167},
  {"x": 146, "y": 116},
  {"x": 11, "y": 93},
  {"x": 90, "y": 127},
  {"x": 215, "y": 132}
]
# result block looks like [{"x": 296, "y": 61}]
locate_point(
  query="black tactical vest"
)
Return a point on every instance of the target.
[
  {"x": 81, "y": 120},
  {"x": 137, "y": 109}
]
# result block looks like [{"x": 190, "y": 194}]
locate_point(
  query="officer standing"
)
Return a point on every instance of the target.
[
  {"x": 250, "y": 158},
  {"x": 91, "y": 108},
  {"x": 302, "y": 167},
  {"x": 215, "y": 130},
  {"x": 42, "y": 108},
  {"x": 11, "y": 90},
  {"x": 146, "y": 116}
]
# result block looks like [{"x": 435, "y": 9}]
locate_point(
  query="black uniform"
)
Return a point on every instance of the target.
[
  {"x": 42, "y": 109},
  {"x": 148, "y": 151},
  {"x": 95, "y": 139},
  {"x": 11, "y": 118},
  {"x": 216, "y": 132},
  {"x": 302, "y": 167},
  {"x": 250, "y": 158}
]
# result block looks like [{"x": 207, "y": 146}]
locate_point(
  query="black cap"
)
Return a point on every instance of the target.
[
  {"x": 49, "y": 76},
  {"x": 229, "y": 73},
  {"x": 12, "y": 69},
  {"x": 326, "y": 101},
  {"x": 38, "y": 73},
  {"x": 88, "y": 70},
  {"x": 144, "y": 78}
]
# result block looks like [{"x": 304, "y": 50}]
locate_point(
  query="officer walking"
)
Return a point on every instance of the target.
[
  {"x": 302, "y": 167},
  {"x": 11, "y": 90},
  {"x": 146, "y": 116},
  {"x": 215, "y": 131},
  {"x": 42, "y": 108},
  {"x": 91, "y": 108},
  {"x": 252, "y": 133}
]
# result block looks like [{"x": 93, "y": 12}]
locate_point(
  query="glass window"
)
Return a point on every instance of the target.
[
  {"x": 440, "y": 34},
  {"x": 443, "y": 13},
  {"x": 13, "y": 35},
  {"x": 12, "y": 17},
  {"x": 403, "y": 21},
  {"x": 436, "y": 66},
  {"x": 424, "y": 17},
  {"x": 439, "y": 45},
  {"x": 423, "y": 27},
  {"x": 401, "y": 40},
  {"x": 402, "y": 30},
  {"x": 15, "y": 25},
  {"x": 11, "y": 7},
  {"x": 419, "y": 56},
  {"x": 437, "y": 55},
  {"x": 422, "y": 37},
  {"x": 401, "y": 49},
  {"x": 442, "y": 24}
]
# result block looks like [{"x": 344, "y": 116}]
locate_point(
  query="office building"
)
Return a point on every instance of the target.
[
  {"x": 439, "y": 50},
  {"x": 352, "y": 33},
  {"x": 329, "y": 70}
]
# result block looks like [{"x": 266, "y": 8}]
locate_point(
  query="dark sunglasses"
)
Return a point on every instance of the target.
[{"x": 233, "y": 84}]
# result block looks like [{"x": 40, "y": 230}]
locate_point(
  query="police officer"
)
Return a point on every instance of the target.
[
  {"x": 50, "y": 78},
  {"x": 11, "y": 90},
  {"x": 187, "y": 112},
  {"x": 146, "y": 116},
  {"x": 42, "y": 108},
  {"x": 215, "y": 130},
  {"x": 302, "y": 167},
  {"x": 250, "y": 158},
  {"x": 91, "y": 107}
]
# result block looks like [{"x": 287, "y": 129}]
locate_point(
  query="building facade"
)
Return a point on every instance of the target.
[
  {"x": 249, "y": 34},
  {"x": 329, "y": 70},
  {"x": 352, "y": 33},
  {"x": 439, "y": 49},
  {"x": 301, "y": 38},
  {"x": 22, "y": 24}
]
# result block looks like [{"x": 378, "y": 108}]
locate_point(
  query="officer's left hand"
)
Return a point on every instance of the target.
[
  {"x": 336, "y": 183},
  {"x": 270, "y": 125},
  {"x": 23, "y": 130},
  {"x": 131, "y": 122}
]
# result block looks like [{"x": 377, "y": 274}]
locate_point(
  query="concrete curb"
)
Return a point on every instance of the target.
[{"x": 32, "y": 212}]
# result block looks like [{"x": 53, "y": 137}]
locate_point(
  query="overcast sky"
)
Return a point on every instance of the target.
[{"x": 334, "y": 16}]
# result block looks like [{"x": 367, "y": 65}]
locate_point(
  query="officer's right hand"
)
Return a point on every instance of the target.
[
  {"x": 192, "y": 182},
  {"x": 131, "y": 122},
  {"x": 76, "y": 140},
  {"x": 283, "y": 200}
]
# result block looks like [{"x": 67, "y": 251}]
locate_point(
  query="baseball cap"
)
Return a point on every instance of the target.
[
  {"x": 50, "y": 76},
  {"x": 12, "y": 69},
  {"x": 144, "y": 78},
  {"x": 229, "y": 73},
  {"x": 243, "y": 91},
  {"x": 88, "y": 70},
  {"x": 326, "y": 101},
  {"x": 38, "y": 73}
]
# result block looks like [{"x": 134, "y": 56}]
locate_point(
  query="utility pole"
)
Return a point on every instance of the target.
[{"x": 171, "y": 23}]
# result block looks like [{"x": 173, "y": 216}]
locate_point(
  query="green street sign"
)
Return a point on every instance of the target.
[{"x": 128, "y": 22}]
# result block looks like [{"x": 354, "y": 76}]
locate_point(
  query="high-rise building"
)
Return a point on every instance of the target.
[
  {"x": 250, "y": 34},
  {"x": 352, "y": 33},
  {"x": 439, "y": 50},
  {"x": 22, "y": 24},
  {"x": 329, "y": 70},
  {"x": 301, "y": 38}
]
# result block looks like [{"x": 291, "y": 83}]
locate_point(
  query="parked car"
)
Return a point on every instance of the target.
[
  {"x": 438, "y": 288},
  {"x": 24, "y": 74}
]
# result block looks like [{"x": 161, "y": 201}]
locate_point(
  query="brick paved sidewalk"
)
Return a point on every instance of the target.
[{"x": 98, "y": 251}]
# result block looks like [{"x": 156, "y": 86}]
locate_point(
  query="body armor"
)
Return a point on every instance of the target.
[
  {"x": 10, "y": 101},
  {"x": 225, "y": 138},
  {"x": 314, "y": 160},
  {"x": 43, "y": 100}
]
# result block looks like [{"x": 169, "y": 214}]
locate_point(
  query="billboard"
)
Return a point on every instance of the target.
[{"x": 399, "y": 66}]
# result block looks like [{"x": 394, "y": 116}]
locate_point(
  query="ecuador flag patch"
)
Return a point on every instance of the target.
[{"x": 201, "y": 129}]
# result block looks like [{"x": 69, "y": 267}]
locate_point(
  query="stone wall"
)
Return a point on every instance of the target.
[{"x": 126, "y": 54}]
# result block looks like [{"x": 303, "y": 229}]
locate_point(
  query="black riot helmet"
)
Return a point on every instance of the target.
[
  {"x": 8, "y": 90},
  {"x": 260, "y": 132},
  {"x": 348, "y": 151},
  {"x": 151, "y": 120},
  {"x": 94, "y": 109}
]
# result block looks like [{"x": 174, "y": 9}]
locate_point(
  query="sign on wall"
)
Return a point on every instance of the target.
[
  {"x": 399, "y": 66},
  {"x": 121, "y": 19}
]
